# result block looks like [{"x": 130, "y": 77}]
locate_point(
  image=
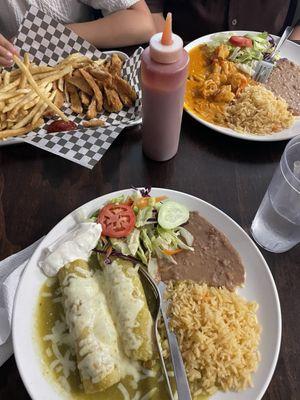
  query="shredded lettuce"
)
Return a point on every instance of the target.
[
  {"x": 246, "y": 58},
  {"x": 187, "y": 236},
  {"x": 133, "y": 241},
  {"x": 143, "y": 216},
  {"x": 118, "y": 200},
  {"x": 121, "y": 246},
  {"x": 153, "y": 267},
  {"x": 148, "y": 241},
  {"x": 141, "y": 254}
]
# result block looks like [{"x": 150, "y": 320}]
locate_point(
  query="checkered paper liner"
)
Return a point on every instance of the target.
[{"x": 47, "y": 42}]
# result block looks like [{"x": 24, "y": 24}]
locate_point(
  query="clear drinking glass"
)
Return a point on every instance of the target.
[{"x": 276, "y": 226}]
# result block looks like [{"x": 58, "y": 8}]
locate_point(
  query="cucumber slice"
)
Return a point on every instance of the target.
[{"x": 172, "y": 214}]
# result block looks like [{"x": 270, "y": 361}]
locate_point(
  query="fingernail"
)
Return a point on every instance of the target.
[{"x": 9, "y": 55}]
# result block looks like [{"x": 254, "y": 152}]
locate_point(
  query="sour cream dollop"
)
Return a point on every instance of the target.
[{"x": 74, "y": 245}]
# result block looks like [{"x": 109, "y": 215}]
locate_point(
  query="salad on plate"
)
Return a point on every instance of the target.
[
  {"x": 247, "y": 50},
  {"x": 143, "y": 228}
]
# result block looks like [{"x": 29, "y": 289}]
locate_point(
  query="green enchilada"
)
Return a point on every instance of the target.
[
  {"x": 129, "y": 308},
  {"x": 90, "y": 326}
]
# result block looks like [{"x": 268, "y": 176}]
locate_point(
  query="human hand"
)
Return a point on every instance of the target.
[{"x": 7, "y": 51}]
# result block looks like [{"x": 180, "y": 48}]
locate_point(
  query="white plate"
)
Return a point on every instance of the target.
[
  {"x": 259, "y": 287},
  {"x": 15, "y": 140},
  {"x": 289, "y": 50}
]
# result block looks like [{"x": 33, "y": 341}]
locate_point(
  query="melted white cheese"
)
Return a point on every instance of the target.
[
  {"x": 91, "y": 327},
  {"x": 75, "y": 245},
  {"x": 125, "y": 304}
]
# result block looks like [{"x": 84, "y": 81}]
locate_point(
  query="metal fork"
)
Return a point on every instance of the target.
[
  {"x": 264, "y": 68},
  {"x": 182, "y": 385}
]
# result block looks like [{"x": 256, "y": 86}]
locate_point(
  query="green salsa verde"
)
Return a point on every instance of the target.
[{"x": 50, "y": 320}]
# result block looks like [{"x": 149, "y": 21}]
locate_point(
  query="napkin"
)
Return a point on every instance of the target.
[
  {"x": 10, "y": 273},
  {"x": 47, "y": 42}
]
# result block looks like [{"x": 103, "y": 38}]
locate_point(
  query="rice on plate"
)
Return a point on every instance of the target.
[
  {"x": 257, "y": 109},
  {"x": 218, "y": 334}
]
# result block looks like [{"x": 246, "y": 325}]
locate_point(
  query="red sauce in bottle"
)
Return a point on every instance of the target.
[{"x": 164, "y": 71}]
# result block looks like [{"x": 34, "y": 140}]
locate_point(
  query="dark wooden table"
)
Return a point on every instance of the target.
[{"x": 37, "y": 189}]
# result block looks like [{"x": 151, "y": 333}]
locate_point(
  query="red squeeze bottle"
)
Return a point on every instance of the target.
[{"x": 164, "y": 71}]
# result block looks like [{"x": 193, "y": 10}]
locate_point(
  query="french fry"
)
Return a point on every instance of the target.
[
  {"x": 93, "y": 123},
  {"x": 54, "y": 76},
  {"x": 90, "y": 80},
  {"x": 28, "y": 118},
  {"x": 31, "y": 104},
  {"x": 23, "y": 76},
  {"x": 6, "y": 78},
  {"x": 12, "y": 85},
  {"x": 92, "y": 109},
  {"x": 39, "y": 69},
  {"x": 60, "y": 84},
  {"x": 8, "y": 95},
  {"x": 3, "y": 126},
  {"x": 37, "y": 89},
  {"x": 41, "y": 111},
  {"x": 34, "y": 110},
  {"x": 14, "y": 99},
  {"x": 21, "y": 103},
  {"x": 15, "y": 117},
  {"x": 21, "y": 131}
]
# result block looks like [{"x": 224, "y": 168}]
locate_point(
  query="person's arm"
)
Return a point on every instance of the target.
[
  {"x": 121, "y": 28},
  {"x": 159, "y": 22},
  {"x": 296, "y": 34},
  {"x": 6, "y": 52}
]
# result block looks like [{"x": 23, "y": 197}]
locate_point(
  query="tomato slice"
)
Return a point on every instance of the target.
[
  {"x": 117, "y": 220},
  {"x": 240, "y": 41}
]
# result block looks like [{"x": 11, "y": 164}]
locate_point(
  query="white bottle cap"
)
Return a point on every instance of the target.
[
  {"x": 165, "y": 54},
  {"x": 166, "y": 47}
]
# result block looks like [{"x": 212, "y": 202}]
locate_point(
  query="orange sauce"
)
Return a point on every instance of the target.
[{"x": 213, "y": 82}]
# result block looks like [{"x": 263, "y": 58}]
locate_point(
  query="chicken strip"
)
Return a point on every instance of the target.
[
  {"x": 115, "y": 65},
  {"x": 85, "y": 99},
  {"x": 103, "y": 77},
  {"x": 92, "y": 109},
  {"x": 112, "y": 102},
  {"x": 76, "y": 105},
  {"x": 80, "y": 83},
  {"x": 91, "y": 81},
  {"x": 126, "y": 92}
]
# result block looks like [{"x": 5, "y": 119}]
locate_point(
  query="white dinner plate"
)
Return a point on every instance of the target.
[
  {"x": 259, "y": 286},
  {"x": 289, "y": 50},
  {"x": 16, "y": 140}
]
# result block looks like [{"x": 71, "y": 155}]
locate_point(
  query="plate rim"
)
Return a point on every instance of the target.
[
  {"x": 227, "y": 131},
  {"x": 74, "y": 214}
]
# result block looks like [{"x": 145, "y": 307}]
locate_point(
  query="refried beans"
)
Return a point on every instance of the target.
[
  {"x": 284, "y": 82},
  {"x": 214, "y": 260}
]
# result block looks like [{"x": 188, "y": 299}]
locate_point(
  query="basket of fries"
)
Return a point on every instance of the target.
[
  {"x": 78, "y": 90},
  {"x": 31, "y": 93}
]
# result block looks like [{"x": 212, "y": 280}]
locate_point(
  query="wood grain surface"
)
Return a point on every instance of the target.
[{"x": 37, "y": 189}]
